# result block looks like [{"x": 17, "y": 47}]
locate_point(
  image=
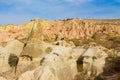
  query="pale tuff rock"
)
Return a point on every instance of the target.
[
  {"x": 45, "y": 73},
  {"x": 77, "y": 52},
  {"x": 12, "y": 47},
  {"x": 2, "y": 78},
  {"x": 62, "y": 51},
  {"x": 29, "y": 75},
  {"x": 59, "y": 61},
  {"x": 64, "y": 43},
  {"x": 55, "y": 66},
  {"x": 23, "y": 65},
  {"x": 118, "y": 54},
  {"x": 61, "y": 64},
  {"x": 94, "y": 60}
]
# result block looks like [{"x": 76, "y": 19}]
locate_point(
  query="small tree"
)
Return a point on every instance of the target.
[
  {"x": 48, "y": 49},
  {"x": 13, "y": 61}
]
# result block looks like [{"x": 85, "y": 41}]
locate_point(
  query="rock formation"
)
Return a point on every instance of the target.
[
  {"x": 59, "y": 49},
  {"x": 2, "y": 78}
]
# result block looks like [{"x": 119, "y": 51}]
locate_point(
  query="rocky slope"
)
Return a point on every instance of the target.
[
  {"x": 52, "y": 30},
  {"x": 60, "y": 46}
]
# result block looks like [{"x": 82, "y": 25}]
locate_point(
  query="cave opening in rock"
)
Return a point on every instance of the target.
[{"x": 80, "y": 64}]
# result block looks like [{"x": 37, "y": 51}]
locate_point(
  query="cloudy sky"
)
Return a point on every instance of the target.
[{"x": 20, "y": 11}]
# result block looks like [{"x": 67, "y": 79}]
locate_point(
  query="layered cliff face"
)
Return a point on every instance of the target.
[
  {"x": 53, "y": 30},
  {"x": 34, "y": 40},
  {"x": 57, "y": 30},
  {"x": 76, "y": 28},
  {"x": 70, "y": 29}
]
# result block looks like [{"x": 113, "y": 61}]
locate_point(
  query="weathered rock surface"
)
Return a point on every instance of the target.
[
  {"x": 32, "y": 33},
  {"x": 61, "y": 64},
  {"x": 76, "y": 28},
  {"x": 56, "y": 66},
  {"x": 94, "y": 60},
  {"x": 29, "y": 75},
  {"x": 12, "y": 47},
  {"x": 57, "y": 46},
  {"x": 2, "y": 78}
]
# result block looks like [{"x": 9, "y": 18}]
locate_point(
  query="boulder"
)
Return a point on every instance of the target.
[
  {"x": 12, "y": 47},
  {"x": 94, "y": 60},
  {"x": 45, "y": 73},
  {"x": 29, "y": 75}
]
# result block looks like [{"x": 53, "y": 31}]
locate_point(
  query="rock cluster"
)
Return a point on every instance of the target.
[
  {"x": 52, "y": 50},
  {"x": 61, "y": 64}
]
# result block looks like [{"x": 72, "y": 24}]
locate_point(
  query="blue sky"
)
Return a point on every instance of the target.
[{"x": 20, "y": 11}]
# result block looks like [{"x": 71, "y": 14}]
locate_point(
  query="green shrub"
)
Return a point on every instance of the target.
[
  {"x": 80, "y": 64},
  {"x": 13, "y": 61},
  {"x": 48, "y": 49}
]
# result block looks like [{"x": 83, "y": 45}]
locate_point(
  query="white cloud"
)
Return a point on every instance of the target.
[
  {"x": 79, "y": 1},
  {"x": 17, "y": 1},
  {"x": 21, "y": 11},
  {"x": 28, "y": 1}
]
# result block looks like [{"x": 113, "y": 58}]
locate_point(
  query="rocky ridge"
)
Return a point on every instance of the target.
[{"x": 52, "y": 30}]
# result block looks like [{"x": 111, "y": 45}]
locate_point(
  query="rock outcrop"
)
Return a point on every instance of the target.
[
  {"x": 2, "y": 78},
  {"x": 52, "y": 30},
  {"x": 12, "y": 47},
  {"x": 32, "y": 33},
  {"x": 51, "y": 50},
  {"x": 94, "y": 60},
  {"x": 76, "y": 28},
  {"x": 55, "y": 66},
  {"x": 61, "y": 63}
]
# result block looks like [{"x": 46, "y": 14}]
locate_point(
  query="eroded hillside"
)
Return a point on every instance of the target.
[
  {"x": 105, "y": 32},
  {"x": 56, "y": 46}
]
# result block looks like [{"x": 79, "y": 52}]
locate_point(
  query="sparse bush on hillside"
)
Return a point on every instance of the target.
[
  {"x": 4, "y": 44},
  {"x": 116, "y": 42},
  {"x": 107, "y": 40},
  {"x": 48, "y": 50},
  {"x": 82, "y": 41},
  {"x": 115, "y": 39},
  {"x": 13, "y": 61}
]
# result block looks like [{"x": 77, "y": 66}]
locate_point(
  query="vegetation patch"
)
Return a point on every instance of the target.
[
  {"x": 80, "y": 64},
  {"x": 48, "y": 50},
  {"x": 13, "y": 61}
]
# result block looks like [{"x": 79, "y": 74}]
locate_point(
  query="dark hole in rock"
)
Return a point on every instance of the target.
[
  {"x": 57, "y": 43},
  {"x": 62, "y": 38},
  {"x": 80, "y": 64},
  {"x": 108, "y": 69},
  {"x": 42, "y": 60},
  {"x": 113, "y": 63},
  {"x": 117, "y": 64},
  {"x": 56, "y": 54},
  {"x": 111, "y": 69},
  {"x": 109, "y": 60}
]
